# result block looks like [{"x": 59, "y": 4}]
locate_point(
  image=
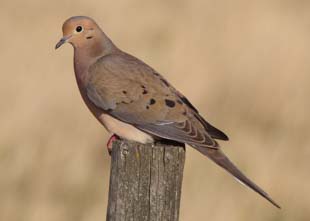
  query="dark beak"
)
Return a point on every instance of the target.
[{"x": 62, "y": 41}]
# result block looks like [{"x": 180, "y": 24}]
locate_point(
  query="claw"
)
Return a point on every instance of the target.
[{"x": 110, "y": 143}]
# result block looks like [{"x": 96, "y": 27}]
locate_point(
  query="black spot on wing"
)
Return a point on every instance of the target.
[
  {"x": 169, "y": 103},
  {"x": 152, "y": 101}
]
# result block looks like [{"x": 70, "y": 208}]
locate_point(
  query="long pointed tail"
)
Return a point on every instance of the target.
[{"x": 220, "y": 159}]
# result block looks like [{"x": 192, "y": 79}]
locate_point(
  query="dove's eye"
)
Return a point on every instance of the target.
[{"x": 79, "y": 29}]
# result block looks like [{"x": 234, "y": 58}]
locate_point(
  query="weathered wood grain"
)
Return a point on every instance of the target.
[{"x": 145, "y": 181}]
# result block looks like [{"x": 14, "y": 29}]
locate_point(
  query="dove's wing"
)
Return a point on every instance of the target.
[{"x": 133, "y": 92}]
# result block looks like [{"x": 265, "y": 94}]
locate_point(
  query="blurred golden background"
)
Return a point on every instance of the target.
[{"x": 244, "y": 64}]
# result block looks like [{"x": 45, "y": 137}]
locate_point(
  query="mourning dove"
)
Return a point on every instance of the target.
[{"x": 134, "y": 101}]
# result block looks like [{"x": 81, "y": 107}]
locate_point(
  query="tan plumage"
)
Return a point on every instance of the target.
[
  {"x": 134, "y": 101},
  {"x": 132, "y": 92}
]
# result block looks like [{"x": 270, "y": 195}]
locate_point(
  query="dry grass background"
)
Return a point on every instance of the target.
[{"x": 244, "y": 64}]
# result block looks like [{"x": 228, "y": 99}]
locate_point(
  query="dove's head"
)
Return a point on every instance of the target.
[{"x": 81, "y": 32}]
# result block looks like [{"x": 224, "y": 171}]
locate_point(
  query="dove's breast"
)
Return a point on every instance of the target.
[{"x": 124, "y": 130}]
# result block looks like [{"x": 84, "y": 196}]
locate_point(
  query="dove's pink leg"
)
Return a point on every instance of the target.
[{"x": 110, "y": 142}]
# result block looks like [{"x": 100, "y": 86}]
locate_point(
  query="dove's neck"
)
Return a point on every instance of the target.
[{"x": 86, "y": 54}]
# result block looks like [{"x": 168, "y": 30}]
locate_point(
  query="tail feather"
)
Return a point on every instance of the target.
[{"x": 217, "y": 156}]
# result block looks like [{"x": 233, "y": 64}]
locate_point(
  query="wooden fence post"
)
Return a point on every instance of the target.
[{"x": 145, "y": 181}]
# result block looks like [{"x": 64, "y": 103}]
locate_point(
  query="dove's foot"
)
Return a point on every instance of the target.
[{"x": 110, "y": 143}]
